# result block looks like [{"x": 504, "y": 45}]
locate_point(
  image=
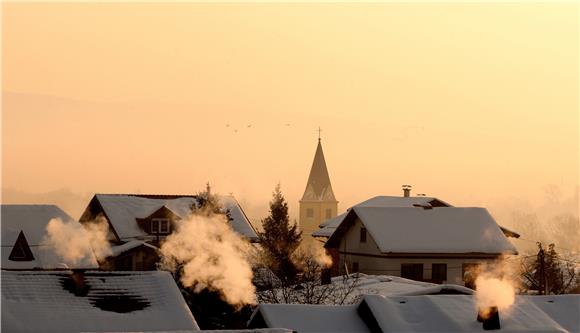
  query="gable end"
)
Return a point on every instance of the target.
[{"x": 21, "y": 251}]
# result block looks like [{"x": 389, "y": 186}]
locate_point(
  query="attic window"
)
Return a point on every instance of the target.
[
  {"x": 363, "y": 235},
  {"x": 309, "y": 212},
  {"x": 21, "y": 251},
  {"x": 160, "y": 226}
]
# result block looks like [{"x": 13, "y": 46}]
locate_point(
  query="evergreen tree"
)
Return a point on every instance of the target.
[
  {"x": 280, "y": 238},
  {"x": 208, "y": 204}
]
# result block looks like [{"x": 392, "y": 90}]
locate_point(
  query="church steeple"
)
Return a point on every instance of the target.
[
  {"x": 318, "y": 203},
  {"x": 318, "y": 187}
]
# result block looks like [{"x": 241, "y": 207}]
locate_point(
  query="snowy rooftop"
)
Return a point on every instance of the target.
[
  {"x": 122, "y": 211},
  {"x": 437, "y": 230},
  {"x": 118, "y": 249},
  {"x": 387, "y": 285},
  {"x": 357, "y": 285},
  {"x": 32, "y": 221},
  {"x": 329, "y": 226},
  {"x": 427, "y": 313},
  {"x": 34, "y": 301},
  {"x": 310, "y": 318}
]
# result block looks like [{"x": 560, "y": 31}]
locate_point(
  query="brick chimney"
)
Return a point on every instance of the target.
[{"x": 407, "y": 191}]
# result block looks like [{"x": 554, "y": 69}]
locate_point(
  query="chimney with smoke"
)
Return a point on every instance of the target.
[
  {"x": 489, "y": 317},
  {"x": 407, "y": 191},
  {"x": 76, "y": 283}
]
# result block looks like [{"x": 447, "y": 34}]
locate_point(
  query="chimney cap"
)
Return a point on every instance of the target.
[{"x": 407, "y": 190}]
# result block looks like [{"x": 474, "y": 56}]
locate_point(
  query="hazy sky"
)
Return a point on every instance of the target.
[{"x": 473, "y": 103}]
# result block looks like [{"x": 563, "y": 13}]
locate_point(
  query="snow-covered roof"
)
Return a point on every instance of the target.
[
  {"x": 35, "y": 301},
  {"x": 118, "y": 249},
  {"x": 304, "y": 318},
  {"x": 32, "y": 221},
  {"x": 350, "y": 289},
  {"x": 257, "y": 330},
  {"x": 329, "y": 226},
  {"x": 122, "y": 210},
  {"x": 387, "y": 285},
  {"x": 563, "y": 309},
  {"x": 457, "y": 313},
  {"x": 426, "y": 313},
  {"x": 240, "y": 222},
  {"x": 438, "y": 230},
  {"x": 398, "y": 201}
]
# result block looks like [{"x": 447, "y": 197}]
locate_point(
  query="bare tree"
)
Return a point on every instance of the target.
[{"x": 310, "y": 286}]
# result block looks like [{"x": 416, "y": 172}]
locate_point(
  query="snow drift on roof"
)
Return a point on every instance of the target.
[
  {"x": 32, "y": 221},
  {"x": 112, "y": 301},
  {"x": 437, "y": 230}
]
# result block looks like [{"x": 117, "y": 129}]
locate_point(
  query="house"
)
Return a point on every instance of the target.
[
  {"x": 138, "y": 224},
  {"x": 425, "y": 243},
  {"x": 92, "y": 301},
  {"x": 423, "y": 313},
  {"x": 23, "y": 231}
]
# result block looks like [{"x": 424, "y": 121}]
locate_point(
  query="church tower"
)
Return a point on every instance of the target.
[{"x": 318, "y": 203}]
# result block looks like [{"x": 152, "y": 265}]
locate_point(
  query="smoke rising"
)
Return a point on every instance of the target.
[
  {"x": 314, "y": 251},
  {"x": 77, "y": 244},
  {"x": 208, "y": 254},
  {"x": 494, "y": 288}
]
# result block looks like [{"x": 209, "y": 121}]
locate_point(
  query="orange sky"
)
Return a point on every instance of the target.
[{"x": 468, "y": 102}]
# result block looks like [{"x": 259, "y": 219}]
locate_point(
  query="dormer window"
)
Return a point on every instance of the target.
[{"x": 159, "y": 226}]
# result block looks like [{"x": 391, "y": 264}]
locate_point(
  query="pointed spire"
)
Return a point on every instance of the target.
[{"x": 318, "y": 187}]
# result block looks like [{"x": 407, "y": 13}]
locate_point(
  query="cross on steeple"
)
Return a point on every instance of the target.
[{"x": 319, "y": 130}]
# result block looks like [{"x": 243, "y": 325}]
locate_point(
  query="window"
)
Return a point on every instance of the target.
[
  {"x": 469, "y": 271},
  {"x": 309, "y": 212},
  {"x": 328, "y": 213},
  {"x": 354, "y": 267},
  {"x": 124, "y": 263},
  {"x": 160, "y": 226},
  {"x": 439, "y": 272},
  {"x": 363, "y": 235},
  {"x": 164, "y": 227},
  {"x": 412, "y": 271}
]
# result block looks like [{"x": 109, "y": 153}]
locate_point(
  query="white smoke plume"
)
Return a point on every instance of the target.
[
  {"x": 494, "y": 288},
  {"x": 209, "y": 255},
  {"x": 312, "y": 251},
  {"x": 76, "y": 244}
]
